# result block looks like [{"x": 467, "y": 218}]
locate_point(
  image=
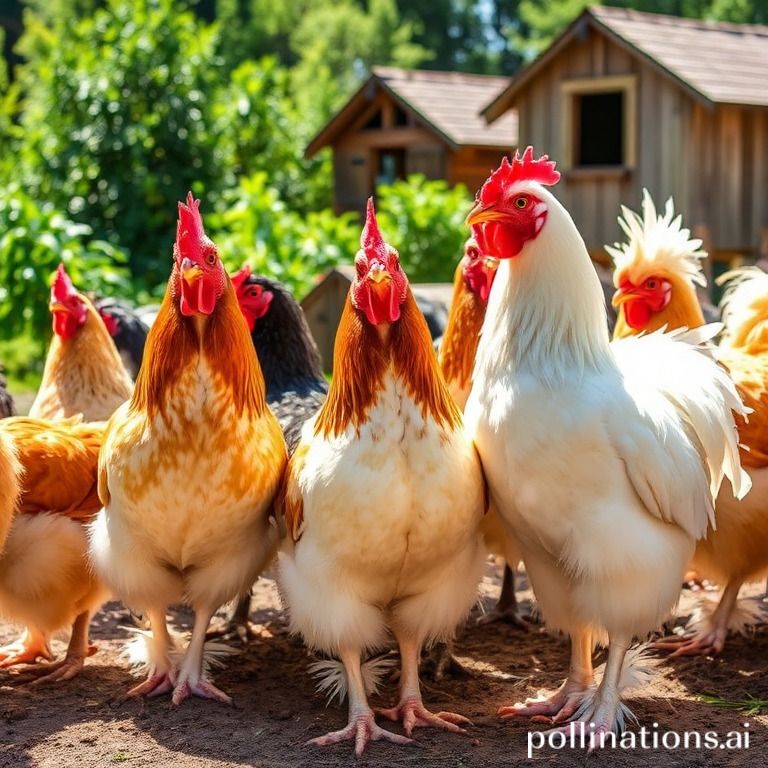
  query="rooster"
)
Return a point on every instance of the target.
[
  {"x": 83, "y": 372},
  {"x": 189, "y": 467},
  {"x": 605, "y": 459},
  {"x": 45, "y": 580},
  {"x": 384, "y": 496},
  {"x": 289, "y": 359},
  {"x": 472, "y": 283},
  {"x": 656, "y": 272}
]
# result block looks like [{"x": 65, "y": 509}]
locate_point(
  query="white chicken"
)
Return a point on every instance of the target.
[{"x": 605, "y": 459}]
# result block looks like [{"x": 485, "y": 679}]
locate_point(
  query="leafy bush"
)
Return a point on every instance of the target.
[
  {"x": 424, "y": 220},
  {"x": 34, "y": 239},
  {"x": 254, "y": 225}
]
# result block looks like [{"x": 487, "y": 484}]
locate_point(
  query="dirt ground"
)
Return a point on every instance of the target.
[{"x": 87, "y": 722}]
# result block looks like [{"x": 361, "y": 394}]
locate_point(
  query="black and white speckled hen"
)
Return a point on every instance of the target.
[{"x": 296, "y": 387}]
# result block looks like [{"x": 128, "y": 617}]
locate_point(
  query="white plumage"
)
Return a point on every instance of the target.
[{"x": 604, "y": 458}]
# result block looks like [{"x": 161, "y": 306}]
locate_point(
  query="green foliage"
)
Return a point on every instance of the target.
[
  {"x": 34, "y": 239},
  {"x": 425, "y": 221},
  {"x": 116, "y": 123},
  {"x": 256, "y": 227}
]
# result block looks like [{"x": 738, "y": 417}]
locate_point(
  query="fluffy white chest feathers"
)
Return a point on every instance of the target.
[{"x": 387, "y": 503}]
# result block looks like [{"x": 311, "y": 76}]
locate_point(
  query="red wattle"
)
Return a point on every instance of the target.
[{"x": 637, "y": 314}]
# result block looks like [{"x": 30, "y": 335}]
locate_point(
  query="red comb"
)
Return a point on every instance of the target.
[
  {"x": 239, "y": 277},
  {"x": 110, "y": 321},
  {"x": 190, "y": 224},
  {"x": 371, "y": 240},
  {"x": 524, "y": 168},
  {"x": 62, "y": 287}
]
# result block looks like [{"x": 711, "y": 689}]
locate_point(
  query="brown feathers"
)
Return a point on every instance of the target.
[
  {"x": 462, "y": 333},
  {"x": 83, "y": 375},
  {"x": 59, "y": 465},
  {"x": 173, "y": 345},
  {"x": 361, "y": 358}
]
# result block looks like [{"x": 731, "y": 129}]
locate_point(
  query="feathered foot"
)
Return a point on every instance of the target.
[
  {"x": 31, "y": 646},
  {"x": 153, "y": 651},
  {"x": 507, "y": 610},
  {"x": 706, "y": 632},
  {"x": 413, "y": 714},
  {"x": 362, "y": 729}
]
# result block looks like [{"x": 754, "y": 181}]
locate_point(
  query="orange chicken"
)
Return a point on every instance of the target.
[
  {"x": 656, "y": 273},
  {"x": 46, "y": 583},
  {"x": 189, "y": 467},
  {"x": 83, "y": 370}
]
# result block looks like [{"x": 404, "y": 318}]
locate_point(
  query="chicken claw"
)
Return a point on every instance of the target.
[
  {"x": 555, "y": 709},
  {"x": 709, "y": 644},
  {"x": 26, "y": 650},
  {"x": 156, "y": 684},
  {"x": 362, "y": 729},
  {"x": 413, "y": 714},
  {"x": 204, "y": 689}
]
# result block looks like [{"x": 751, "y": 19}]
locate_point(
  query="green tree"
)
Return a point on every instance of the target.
[{"x": 117, "y": 121}]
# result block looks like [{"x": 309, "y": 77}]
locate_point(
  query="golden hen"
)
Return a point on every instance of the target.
[{"x": 189, "y": 467}]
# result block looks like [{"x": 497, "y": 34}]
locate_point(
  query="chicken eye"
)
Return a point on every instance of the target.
[
  {"x": 651, "y": 284},
  {"x": 521, "y": 202}
]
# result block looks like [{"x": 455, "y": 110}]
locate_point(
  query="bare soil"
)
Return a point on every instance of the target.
[{"x": 87, "y": 722}]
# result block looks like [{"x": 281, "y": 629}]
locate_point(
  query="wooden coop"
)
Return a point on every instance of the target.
[
  {"x": 625, "y": 100},
  {"x": 402, "y": 122},
  {"x": 323, "y": 306}
]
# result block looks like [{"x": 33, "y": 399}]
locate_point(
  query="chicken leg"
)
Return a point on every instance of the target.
[
  {"x": 410, "y": 709},
  {"x": 237, "y": 626},
  {"x": 711, "y": 640},
  {"x": 192, "y": 679},
  {"x": 361, "y": 727},
  {"x": 506, "y": 609},
  {"x": 565, "y": 702},
  {"x": 604, "y": 713},
  {"x": 71, "y": 665},
  {"x": 162, "y": 670}
]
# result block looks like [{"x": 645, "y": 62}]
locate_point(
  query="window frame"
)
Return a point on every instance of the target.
[{"x": 572, "y": 88}]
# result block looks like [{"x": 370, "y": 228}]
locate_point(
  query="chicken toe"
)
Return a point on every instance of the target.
[{"x": 31, "y": 646}]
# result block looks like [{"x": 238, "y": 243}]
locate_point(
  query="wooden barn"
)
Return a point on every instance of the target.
[
  {"x": 402, "y": 122},
  {"x": 323, "y": 306},
  {"x": 625, "y": 100}
]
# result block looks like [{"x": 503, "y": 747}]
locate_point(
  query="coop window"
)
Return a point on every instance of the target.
[
  {"x": 599, "y": 123},
  {"x": 391, "y": 166},
  {"x": 401, "y": 118},
  {"x": 374, "y": 122}
]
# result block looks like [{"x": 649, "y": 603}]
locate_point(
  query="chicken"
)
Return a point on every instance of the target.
[
  {"x": 7, "y": 407},
  {"x": 472, "y": 283},
  {"x": 604, "y": 459},
  {"x": 657, "y": 270},
  {"x": 127, "y": 330},
  {"x": 290, "y": 362},
  {"x": 83, "y": 372},
  {"x": 189, "y": 467},
  {"x": 46, "y": 583},
  {"x": 384, "y": 496}
]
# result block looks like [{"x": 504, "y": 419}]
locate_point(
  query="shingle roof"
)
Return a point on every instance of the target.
[
  {"x": 726, "y": 63},
  {"x": 718, "y": 62},
  {"x": 448, "y": 103}
]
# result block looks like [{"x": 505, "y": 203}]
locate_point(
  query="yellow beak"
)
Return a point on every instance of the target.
[
  {"x": 479, "y": 214},
  {"x": 622, "y": 297},
  {"x": 380, "y": 275},
  {"x": 192, "y": 274},
  {"x": 57, "y": 306}
]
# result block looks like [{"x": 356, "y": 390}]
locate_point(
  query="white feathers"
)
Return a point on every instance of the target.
[
  {"x": 686, "y": 402},
  {"x": 744, "y": 303},
  {"x": 659, "y": 240},
  {"x": 747, "y": 614},
  {"x": 332, "y": 677},
  {"x": 141, "y": 652}
]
